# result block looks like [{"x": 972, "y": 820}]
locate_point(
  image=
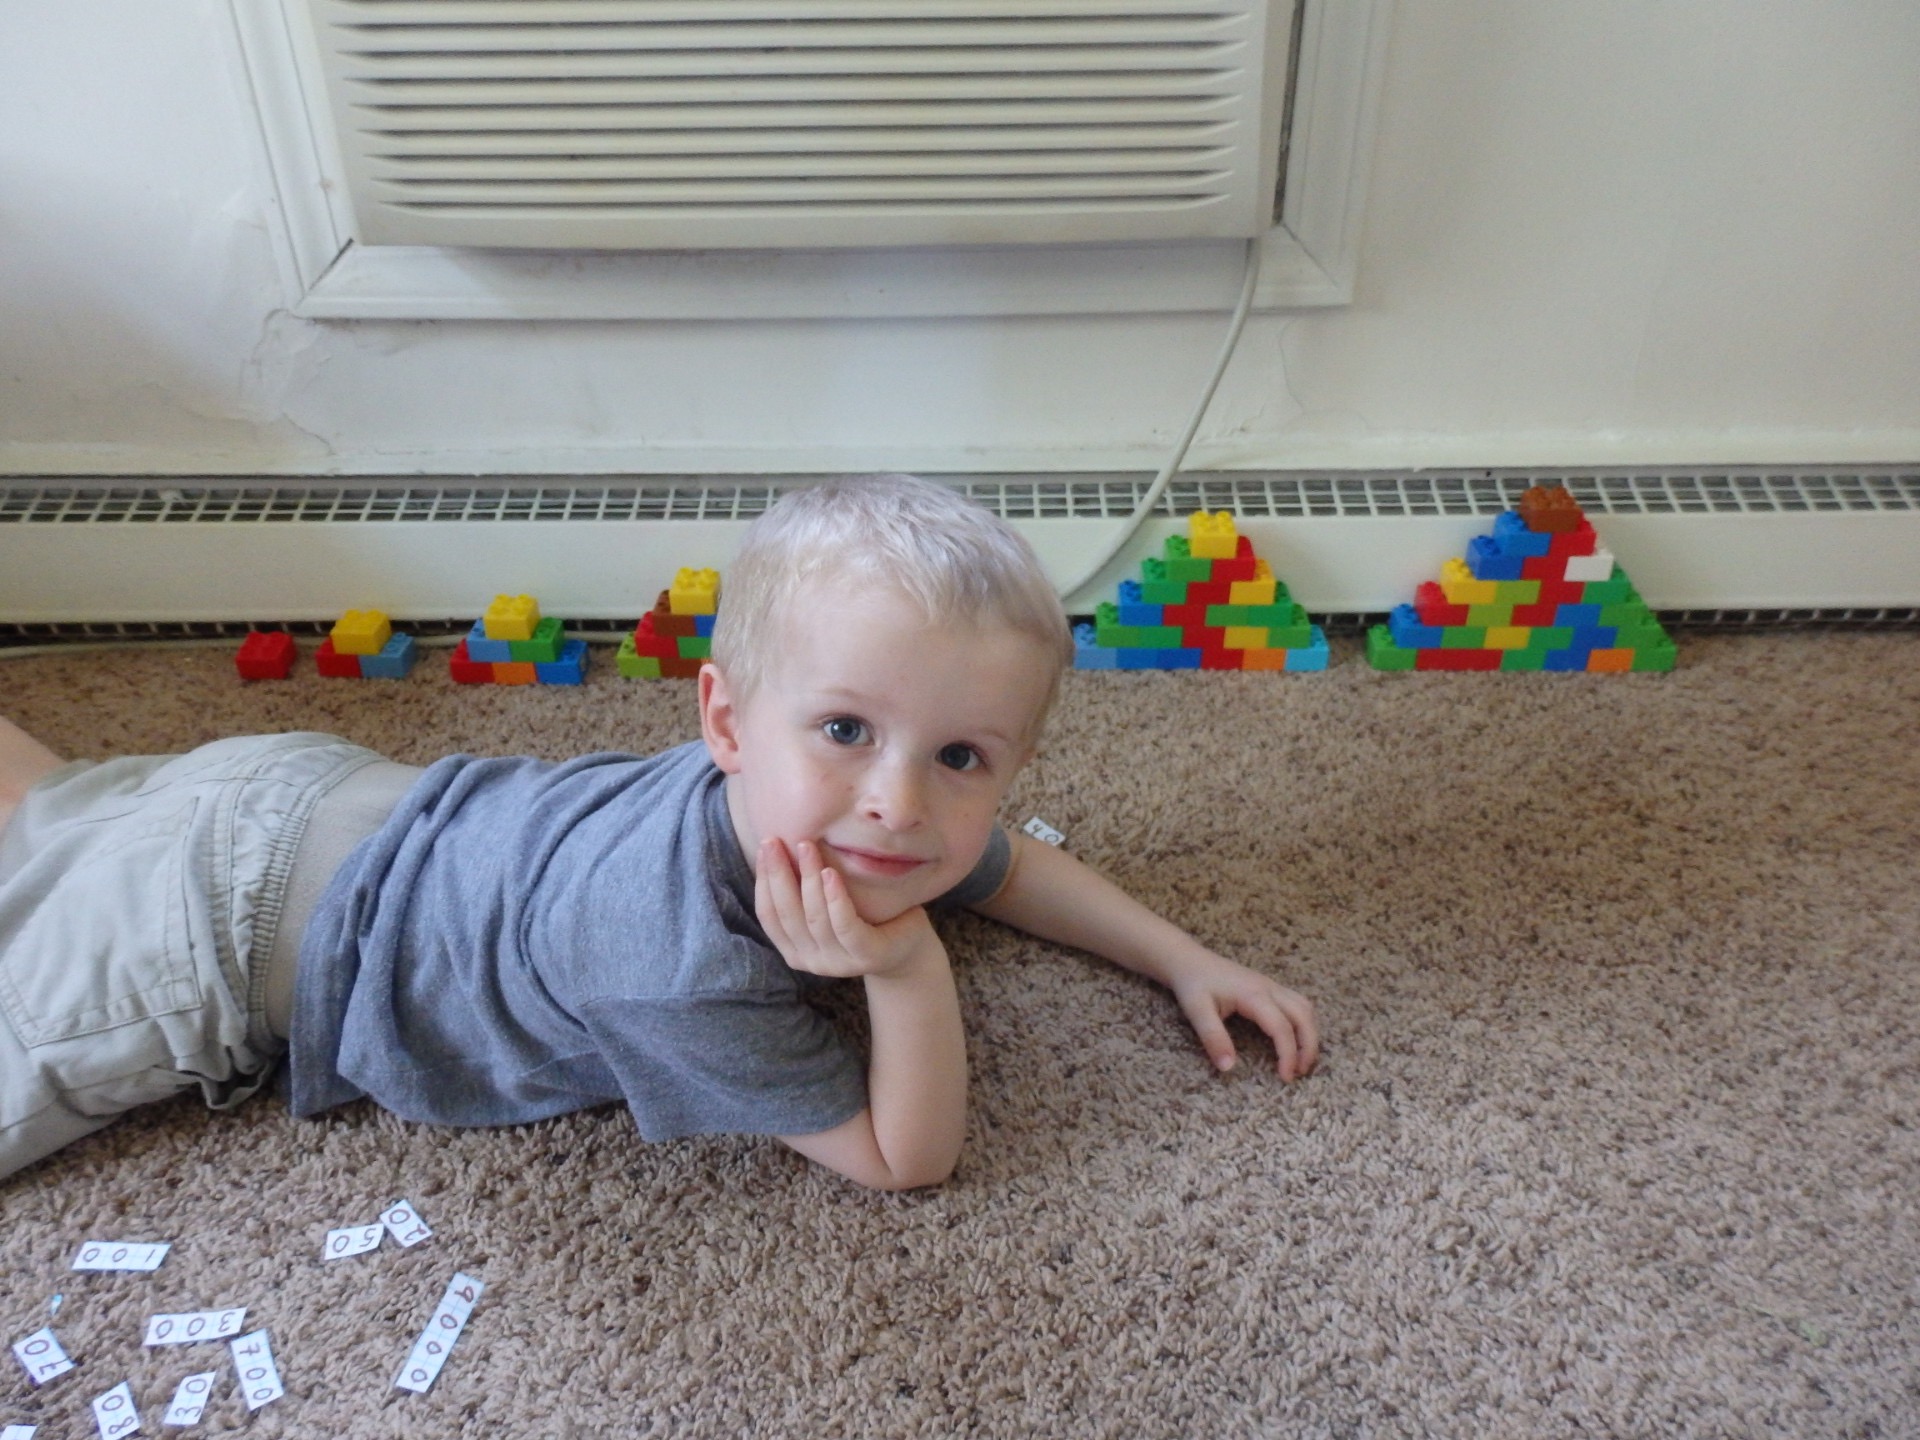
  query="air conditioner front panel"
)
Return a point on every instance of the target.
[{"x": 670, "y": 124}]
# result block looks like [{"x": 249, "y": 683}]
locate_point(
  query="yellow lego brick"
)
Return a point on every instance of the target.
[
  {"x": 694, "y": 592},
  {"x": 1246, "y": 637},
  {"x": 361, "y": 632},
  {"x": 1261, "y": 590},
  {"x": 512, "y": 617},
  {"x": 1460, "y": 588},
  {"x": 1508, "y": 637},
  {"x": 1212, "y": 537}
]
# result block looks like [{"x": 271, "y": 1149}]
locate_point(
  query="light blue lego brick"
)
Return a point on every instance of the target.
[
  {"x": 1311, "y": 657},
  {"x": 569, "y": 669},
  {"x": 394, "y": 662},
  {"x": 491, "y": 652},
  {"x": 1513, "y": 537},
  {"x": 1486, "y": 561},
  {"x": 1181, "y": 659},
  {"x": 1404, "y": 625},
  {"x": 1089, "y": 654}
]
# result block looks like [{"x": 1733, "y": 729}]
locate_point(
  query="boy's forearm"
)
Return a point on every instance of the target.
[
  {"x": 1052, "y": 895},
  {"x": 917, "y": 1072}
]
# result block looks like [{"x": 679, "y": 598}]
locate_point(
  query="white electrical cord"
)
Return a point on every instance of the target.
[{"x": 1132, "y": 525}]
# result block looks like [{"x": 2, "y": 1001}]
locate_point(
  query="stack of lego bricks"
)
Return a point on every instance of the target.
[
  {"x": 677, "y": 634},
  {"x": 363, "y": 645},
  {"x": 1539, "y": 593},
  {"x": 1206, "y": 603},
  {"x": 514, "y": 644}
]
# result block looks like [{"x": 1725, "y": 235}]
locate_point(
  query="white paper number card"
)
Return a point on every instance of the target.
[
  {"x": 18, "y": 1432},
  {"x": 196, "y": 1326},
  {"x": 113, "y": 1255},
  {"x": 353, "y": 1240},
  {"x": 259, "y": 1376},
  {"x": 40, "y": 1352},
  {"x": 113, "y": 1412},
  {"x": 403, "y": 1222},
  {"x": 190, "y": 1400},
  {"x": 430, "y": 1350}
]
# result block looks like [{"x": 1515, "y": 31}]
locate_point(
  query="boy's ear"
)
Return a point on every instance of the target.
[{"x": 719, "y": 719}]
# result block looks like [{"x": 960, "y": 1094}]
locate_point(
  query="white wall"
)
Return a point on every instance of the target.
[{"x": 1600, "y": 231}]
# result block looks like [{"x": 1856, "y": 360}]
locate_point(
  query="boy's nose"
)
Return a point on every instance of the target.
[{"x": 894, "y": 798}]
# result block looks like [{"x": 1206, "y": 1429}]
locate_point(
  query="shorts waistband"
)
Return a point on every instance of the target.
[{"x": 348, "y": 812}]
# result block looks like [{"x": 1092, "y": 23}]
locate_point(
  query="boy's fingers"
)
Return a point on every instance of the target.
[
  {"x": 1212, "y": 1032},
  {"x": 813, "y": 895},
  {"x": 1272, "y": 1016},
  {"x": 777, "y": 898},
  {"x": 846, "y": 920}
]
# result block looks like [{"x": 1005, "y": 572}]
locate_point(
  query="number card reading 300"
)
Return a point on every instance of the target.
[
  {"x": 259, "y": 1376},
  {"x": 196, "y": 1326},
  {"x": 430, "y": 1350},
  {"x": 40, "y": 1352},
  {"x": 114, "y": 1255}
]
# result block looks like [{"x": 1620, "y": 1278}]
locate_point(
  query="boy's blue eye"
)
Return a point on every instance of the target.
[
  {"x": 845, "y": 730},
  {"x": 959, "y": 757}
]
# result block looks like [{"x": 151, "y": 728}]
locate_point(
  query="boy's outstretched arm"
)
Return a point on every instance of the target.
[
  {"x": 916, "y": 1117},
  {"x": 1052, "y": 895}
]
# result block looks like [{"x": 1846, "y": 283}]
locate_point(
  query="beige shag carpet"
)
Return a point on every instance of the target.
[{"x": 1615, "y": 1133}]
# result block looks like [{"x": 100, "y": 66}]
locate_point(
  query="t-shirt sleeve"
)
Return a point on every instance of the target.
[
  {"x": 983, "y": 882},
  {"x": 741, "y": 1064}
]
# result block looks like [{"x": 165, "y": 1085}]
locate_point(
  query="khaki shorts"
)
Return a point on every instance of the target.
[{"x": 139, "y": 900}]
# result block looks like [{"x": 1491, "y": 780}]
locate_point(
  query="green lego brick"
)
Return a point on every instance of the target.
[
  {"x": 1463, "y": 637},
  {"x": 1181, "y": 566},
  {"x": 1156, "y": 588},
  {"x": 1490, "y": 617},
  {"x": 694, "y": 647},
  {"x": 1291, "y": 637},
  {"x": 1523, "y": 660},
  {"x": 544, "y": 648},
  {"x": 1383, "y": 654},
  {"x": 635, "y": 666},
  {"x": 1657, "y": 658},
  {"x": 1550, "y": 637},
  {"x": 1616, "y": 589},
  {"x": 1274, "y": 616},
  {"x": 1516, "y": 592},
  {"x": 1109, "y": 632},
  {"x": 1626, "y": 614}
]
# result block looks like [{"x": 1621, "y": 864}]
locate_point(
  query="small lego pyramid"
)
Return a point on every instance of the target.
[
  {"x": 513, "y": 644},
  {"x": 1539, "y": 593},
  {"x": 363, "y": 645},
  {"x": 1206, "y": 603},
  {"x": 677, "y": 634}
]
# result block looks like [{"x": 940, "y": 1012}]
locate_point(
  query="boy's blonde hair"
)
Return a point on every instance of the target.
[{"x": 951, "y": 558}]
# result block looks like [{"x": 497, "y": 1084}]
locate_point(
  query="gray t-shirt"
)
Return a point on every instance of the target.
[{"x": 523, "y": 938}]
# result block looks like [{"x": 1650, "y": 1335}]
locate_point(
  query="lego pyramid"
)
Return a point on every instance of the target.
[
  {"x": 514, "y": 644},
  {"x": 677, "y": 634},
  {"x": 1206, "y": 603},
  {"x": 1539, "y": 593}
]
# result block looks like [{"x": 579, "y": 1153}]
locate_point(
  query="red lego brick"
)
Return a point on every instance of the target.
[
  {"x": 1203, "y": 637},
  {"x": 1532, "y": 616},
  {"x": 464, "y": 670},
  {"x": 1457, "y": 659},
  {"x": 1581, "y": 540},
  {"x": 266, "y": 655},
  {"x": 1434, "y": 607},
  {"x": 336, "y": 666},
  {"x": 1211, "y": 592},
  {"x": 1187, "y": 617},
  {"x": 1560, "y": 592},
  {"x": 678, "y": 669},
  {"x": 1544, "y": 567},
  {"x": 1221, "y": 658}
]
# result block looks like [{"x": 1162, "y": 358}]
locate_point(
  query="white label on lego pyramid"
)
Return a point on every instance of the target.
[{"x": 1583, "y": 569}]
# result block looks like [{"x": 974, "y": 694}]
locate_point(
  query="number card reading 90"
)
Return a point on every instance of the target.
[{"x": 430, "y": 1350}]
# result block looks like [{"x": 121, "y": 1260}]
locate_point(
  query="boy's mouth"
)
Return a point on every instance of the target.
[{"x": 874, "y": 864}]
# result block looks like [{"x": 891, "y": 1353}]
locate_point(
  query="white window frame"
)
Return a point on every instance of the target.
[{"x": 1307, "y": 260}]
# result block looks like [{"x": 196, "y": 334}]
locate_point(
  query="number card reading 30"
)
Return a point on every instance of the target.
[
  {"x": 259, "y": 1376},
  {"x": 42, "y": 1356},
  {"x": 114, "y": 1255},
  {"x": 403, "y": 1222},
  {"x": 113, "y": 1412},
  {"x": 190, "y": 1400},
  {"x": 430, "y": 1350},
  {"x": 196, "y": 1326}
]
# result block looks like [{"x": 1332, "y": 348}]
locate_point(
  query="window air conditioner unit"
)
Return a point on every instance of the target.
[{"x": 779, "y": 124}]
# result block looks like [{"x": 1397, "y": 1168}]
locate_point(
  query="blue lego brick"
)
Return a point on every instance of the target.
[
  {"x": 1580, "y": 617},
  {"x": 1486, "y": 561},
  {"x": 1404, "y": 625},
  {"x": 1513, "y": 537},
  {"x": 394, "y": 662},
  {"x": 1088, "y": 654},
  {"x": 1311, "y": 657},
  {"x": 703, "y": 626},
  {"x": 1136, "y": 658},
  {"x": 1179, "y": 659},
  {"x": 1566, "y": 659},
  {"x": 569, "y": 669},
  {"x": 1135, "y": 611},
  {"x": 488, "y": 652},
  {"x": 1594, "y": 637}
]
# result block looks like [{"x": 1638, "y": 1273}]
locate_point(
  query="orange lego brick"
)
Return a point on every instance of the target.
[{"x": 1614, "y": 662}]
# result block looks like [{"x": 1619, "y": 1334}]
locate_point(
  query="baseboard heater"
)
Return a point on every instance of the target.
[{"x": 112, "y": 556}]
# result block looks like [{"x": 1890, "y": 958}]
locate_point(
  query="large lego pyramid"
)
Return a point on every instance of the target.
[
  {"x": 1539, "y": 593},
  {"x": 1206, "y": 603}
]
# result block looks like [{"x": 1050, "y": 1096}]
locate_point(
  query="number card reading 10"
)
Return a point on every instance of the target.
[{"x": 42, "y": 1356}]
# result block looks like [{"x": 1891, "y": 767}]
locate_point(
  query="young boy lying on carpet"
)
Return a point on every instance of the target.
[{"x": 493, "y": 941}]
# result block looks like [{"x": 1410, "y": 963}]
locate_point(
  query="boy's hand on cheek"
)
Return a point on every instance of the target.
[{"x": 804, "y": 907}]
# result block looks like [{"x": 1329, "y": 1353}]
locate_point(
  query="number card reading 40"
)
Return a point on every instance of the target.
[
  {"x": 430, "y": 1350},
  {"x": 196, "y": 1326}
]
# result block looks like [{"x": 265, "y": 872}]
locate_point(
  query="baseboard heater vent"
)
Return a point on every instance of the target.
[{"x": 104, "y": 557}]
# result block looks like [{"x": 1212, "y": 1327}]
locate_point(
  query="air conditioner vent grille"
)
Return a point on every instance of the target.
[{"x": 703, "y": 123}]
